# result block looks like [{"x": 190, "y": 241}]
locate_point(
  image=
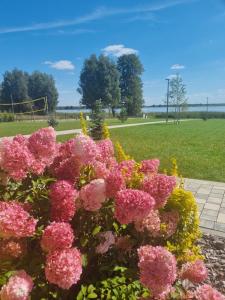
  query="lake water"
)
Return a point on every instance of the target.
[{"x": 156, "y": 109}]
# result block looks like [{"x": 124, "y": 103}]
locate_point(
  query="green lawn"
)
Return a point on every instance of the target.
[
  {"x": 26, "y": 127},
  {"x": 198, "y": 146}
]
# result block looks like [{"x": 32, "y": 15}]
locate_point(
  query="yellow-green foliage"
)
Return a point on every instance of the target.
[
  {"x": 83, "y": 124},
  {"x": 174, "y": 170},
  {"x": 86, "y": 175},
  {"x": 120, "y": 154},
  {"x": 106, "y": 134},
  {"x": 136, "y": 179},
  {"x": 183, "y": 242}
]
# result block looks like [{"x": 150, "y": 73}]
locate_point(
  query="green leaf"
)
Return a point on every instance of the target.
[
  {"x": 84, "y": 260},
  {"x": 84, "y": 290},
  {"x": 80, "y": 296},
  {"x": 92, "y": 296},
  {"x": 96, "y": 230}
]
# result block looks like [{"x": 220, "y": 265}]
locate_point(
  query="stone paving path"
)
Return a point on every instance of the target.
[{"x": 210, "y": 197}]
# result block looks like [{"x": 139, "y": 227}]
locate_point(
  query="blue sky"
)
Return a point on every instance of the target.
[{"x": 54, "y": 36}]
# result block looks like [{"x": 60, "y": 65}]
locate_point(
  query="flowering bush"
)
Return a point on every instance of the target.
[{"x": 79, "y": 222}]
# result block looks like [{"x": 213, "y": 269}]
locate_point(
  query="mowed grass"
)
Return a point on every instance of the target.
[
  {"x": 198, "y": 146},
  {"x": 27, "y": 127}
]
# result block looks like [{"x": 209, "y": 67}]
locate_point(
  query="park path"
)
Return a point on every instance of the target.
[{"x": 210, "y": 197}]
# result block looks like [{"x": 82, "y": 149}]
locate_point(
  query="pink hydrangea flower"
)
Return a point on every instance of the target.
[
  {"x": 66, "y": 149},
  {"x": 114, "y": 183},
  {"x": 57, "y": 236},
  {"x": 150, "y": 166},
  {"x": 15, "y": 221},
  {"x": 108, "y": 240},
  {"x": 206, "y": 292},
  {"x": 67, "y": 169},
  {"x": 160, "y": 188},
  {"x": 18, "y": 287},
  {"x": 12, "y": 248},
  {"x": 62, "y": 197},
  {"x": 42, "y": 145},
  {"x": 100, "y": 169},
  {"x": 151, "y": 223},
  {"x": 126, "y": 167},
  {"x": 112, "y": 163},
  {"x": 157, "y": 269},
  {"x": 106, "y": 150},
  {"x": 64, "y": 268},
  {"x": 85, "y": 149},
  {"x": 16, "y": 159},
  {"x": 124, "y": 243},
  {"x": 93, "y": 195},
  {"x": 171, "y": 220},
  {"x": 195, "y": 272},
  {"x": 132, "y": 205}
]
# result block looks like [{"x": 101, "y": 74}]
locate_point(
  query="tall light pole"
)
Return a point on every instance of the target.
[{"x": 167, "y": 99}]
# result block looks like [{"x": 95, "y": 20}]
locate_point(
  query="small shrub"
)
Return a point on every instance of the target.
[
  {"x": 123, "y": 115},
  {"x": 53, "y": 122}
]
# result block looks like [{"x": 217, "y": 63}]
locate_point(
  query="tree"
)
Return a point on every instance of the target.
[
  {"x": 99, "y": 79},
  {"x": 15, "y": 89},
  {"x": 108, "y": 79},
  {"x": 41, "y": 85},
  {"x": 177, "y": 95},
  {"x": 131, "y": 69},
  {"x": 97, "y": 121}
]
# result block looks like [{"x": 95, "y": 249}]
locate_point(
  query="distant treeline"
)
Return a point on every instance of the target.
[{"x": 145, "y": 106}]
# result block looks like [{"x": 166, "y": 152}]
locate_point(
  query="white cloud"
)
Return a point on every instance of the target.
[
  {"x": 172, "y": 76},
  {"x": 99, "y": 13},
  {"x": 118, "y": 50},
  {"x": 177, "y": 67},
  {"x": 61, "y": 65}
]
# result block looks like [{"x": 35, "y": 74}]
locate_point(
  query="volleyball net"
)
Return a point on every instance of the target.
[{"x": 25, "y": 106}]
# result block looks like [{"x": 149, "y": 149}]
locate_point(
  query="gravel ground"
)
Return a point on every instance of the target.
[{"x": 213, "y": 247}]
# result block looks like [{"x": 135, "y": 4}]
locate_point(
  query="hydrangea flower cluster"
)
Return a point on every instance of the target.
[
  {"x": 132, "y": 205},
  {"x": 114, "y": 183},
  {"x": 206, "y": 292},
  {"x": 57, "y": 236},
  {"x": 158, "y": 269},
  {"x": 64, "y": 268},
  {"x": 195, "y": 272},
  {"x": 79, "y": 204},
  {"x": 18, "y": 287},
  {"x": 15, "y": 221},
  {"x": 150, "y": 166},
  {"x": 12, "y": 248},
  {"x": 160, "y": 188},
  {"x": 108, "y": 240},
  {"x": 62, "y": 197},
  {"x": 93, "y": 195}
]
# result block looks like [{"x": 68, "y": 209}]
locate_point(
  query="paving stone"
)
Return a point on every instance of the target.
[
  {"x": 219, "y": 187},
  {"x": 208, "y": 217},
  {"x": 221, "y": 218},
  {"x": 222, "y": 210},
  {"x": 212, "y": 206},
  {"x": 220, "y": 226},
  {"x": 218, "y": 191},
  {"x": 214, "y": 200},
  {"x": 207, "y": 224},
  {"x": 203, "y": 191},
  {"x": 202, "y": 201},
  {"x": 210, "y": 212},
  {"x": 207, "y": 186},
  {"x": 219, "y": 196},
  {"x": 202, "y": 196}
]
